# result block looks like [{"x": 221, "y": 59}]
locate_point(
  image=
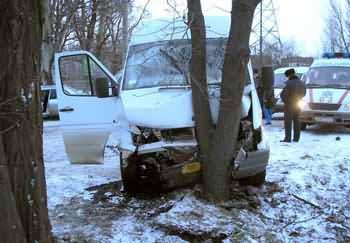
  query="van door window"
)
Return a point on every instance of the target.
[
  {"x": 79, "y": 74},
  {"x": 98, "y": 73}
]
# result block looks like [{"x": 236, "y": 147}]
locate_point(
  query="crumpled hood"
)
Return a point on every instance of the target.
[
  {"x": 159, "y": 108},
  {"x": 167, "y": 108}
]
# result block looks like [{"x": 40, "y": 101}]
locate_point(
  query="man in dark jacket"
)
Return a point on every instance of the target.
[{"x": 291, "y": 95}]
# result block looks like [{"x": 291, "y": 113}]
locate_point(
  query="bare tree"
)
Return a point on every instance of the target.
[
  {"x": 57, "y": 31},
  {"x": 92, "y": 25},
  {"x": 217, "y": 143},
  {"x": 23, "y": 207},
  {"x": 289, "y": 48},
  {"x": 338, "y": 27}
]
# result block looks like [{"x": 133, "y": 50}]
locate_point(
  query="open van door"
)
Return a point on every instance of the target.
[{"x": 89, "y": 105}]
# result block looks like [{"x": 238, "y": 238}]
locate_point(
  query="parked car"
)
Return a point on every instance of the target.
[
  {"x": 280, "y": 80},
  {"x": 49, "y": 101},
  {"x": 150, "y": 111},
  {"x": 327, "y": 100}
]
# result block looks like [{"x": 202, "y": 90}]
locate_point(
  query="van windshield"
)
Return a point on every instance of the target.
[
  {"x": 337, "y": 77},
  {"x": 167, "y": 63}
]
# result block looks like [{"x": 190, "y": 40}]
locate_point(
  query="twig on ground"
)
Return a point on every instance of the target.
[
  {"x": 307, "y": 202},
  {"x": 302, "y": 221}
]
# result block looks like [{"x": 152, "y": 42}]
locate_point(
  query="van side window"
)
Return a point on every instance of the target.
[{"x": 79, "y": 74}]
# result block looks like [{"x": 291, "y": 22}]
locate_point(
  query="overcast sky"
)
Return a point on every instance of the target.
[{"x": 298, "y": 20}]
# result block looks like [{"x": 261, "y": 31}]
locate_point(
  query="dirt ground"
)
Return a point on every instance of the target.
[{"x": 305, "y": 198}]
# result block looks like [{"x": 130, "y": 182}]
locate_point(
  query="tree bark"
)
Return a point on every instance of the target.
[
  {"x": 198, "y": 77},
  {"x": 220, "y": 151},
  {"x": 23, "y": 207}
]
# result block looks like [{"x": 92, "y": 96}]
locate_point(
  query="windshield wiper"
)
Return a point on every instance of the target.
[
  {"x": 339, "y": 86},
  {"x": 325, "y": 86},
  {"x": 184, "y": 86},
  {"x": 315, "y": 86}
]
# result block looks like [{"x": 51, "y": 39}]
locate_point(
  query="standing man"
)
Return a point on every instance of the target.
[{"x": 291, "y": 94}]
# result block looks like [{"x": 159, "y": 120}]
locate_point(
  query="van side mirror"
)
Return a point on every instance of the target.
[{"x": 102, "y": 87}]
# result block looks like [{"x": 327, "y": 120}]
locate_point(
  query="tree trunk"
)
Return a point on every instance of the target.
[
  {"x": 220, "y": 152},
  {"x": 90, "y": 36},
  {"x": 23, "y": 207},
  {"x": 200, "y": 98},
  {"x": 47, "y": 46}
]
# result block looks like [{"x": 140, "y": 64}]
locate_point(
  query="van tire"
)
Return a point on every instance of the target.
[
  {"x": 303, "y": 126},
  {"x": 255, "y": 180}
]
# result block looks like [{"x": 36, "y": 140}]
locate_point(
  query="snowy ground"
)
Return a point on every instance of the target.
[{"x": 305, "y": 198}]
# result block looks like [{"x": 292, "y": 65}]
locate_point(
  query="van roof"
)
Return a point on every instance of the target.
[{"x": 166, "y": 29}]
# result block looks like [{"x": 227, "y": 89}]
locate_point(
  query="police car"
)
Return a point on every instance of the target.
[
  {"x": 279, "y": 83},
  {"x": 328, "y": 85}
]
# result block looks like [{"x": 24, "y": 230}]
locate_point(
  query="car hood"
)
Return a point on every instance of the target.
[
  {"x": 159, "y": 108},
  {"x": 167, "y": 108}
]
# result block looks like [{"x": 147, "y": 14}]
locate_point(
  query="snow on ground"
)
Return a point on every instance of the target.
[
  {"x": 305, "y": 198},
  {"x": 65, "y": 180}
]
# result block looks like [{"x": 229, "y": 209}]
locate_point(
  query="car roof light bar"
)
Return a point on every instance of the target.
[{"x": 336, "y": 55}]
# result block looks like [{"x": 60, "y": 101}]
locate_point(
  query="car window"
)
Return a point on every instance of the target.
[
  {"x": 75, "y": 75},
  {"x": 44, "y": 97},
  {"x": 79, "y": 74},
  {"x": 53, "y": 94}
]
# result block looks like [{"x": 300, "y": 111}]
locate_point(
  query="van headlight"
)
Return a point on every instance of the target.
[{"x": 301, "y": 104}]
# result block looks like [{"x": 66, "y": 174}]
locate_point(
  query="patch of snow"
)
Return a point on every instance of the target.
[
  {"x": 65, "y": 180},
  {"x": 305, "y": 199},
  {"x": 198, "y": 218}
]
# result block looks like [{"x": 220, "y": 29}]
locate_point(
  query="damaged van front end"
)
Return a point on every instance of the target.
[{"x": 159, "y": 110}]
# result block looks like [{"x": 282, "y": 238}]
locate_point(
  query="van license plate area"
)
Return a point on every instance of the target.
[{"x": 324, "y": 119}]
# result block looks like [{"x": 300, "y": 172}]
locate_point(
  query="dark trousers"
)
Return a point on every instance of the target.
[{"x": 291, "y": 118}]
